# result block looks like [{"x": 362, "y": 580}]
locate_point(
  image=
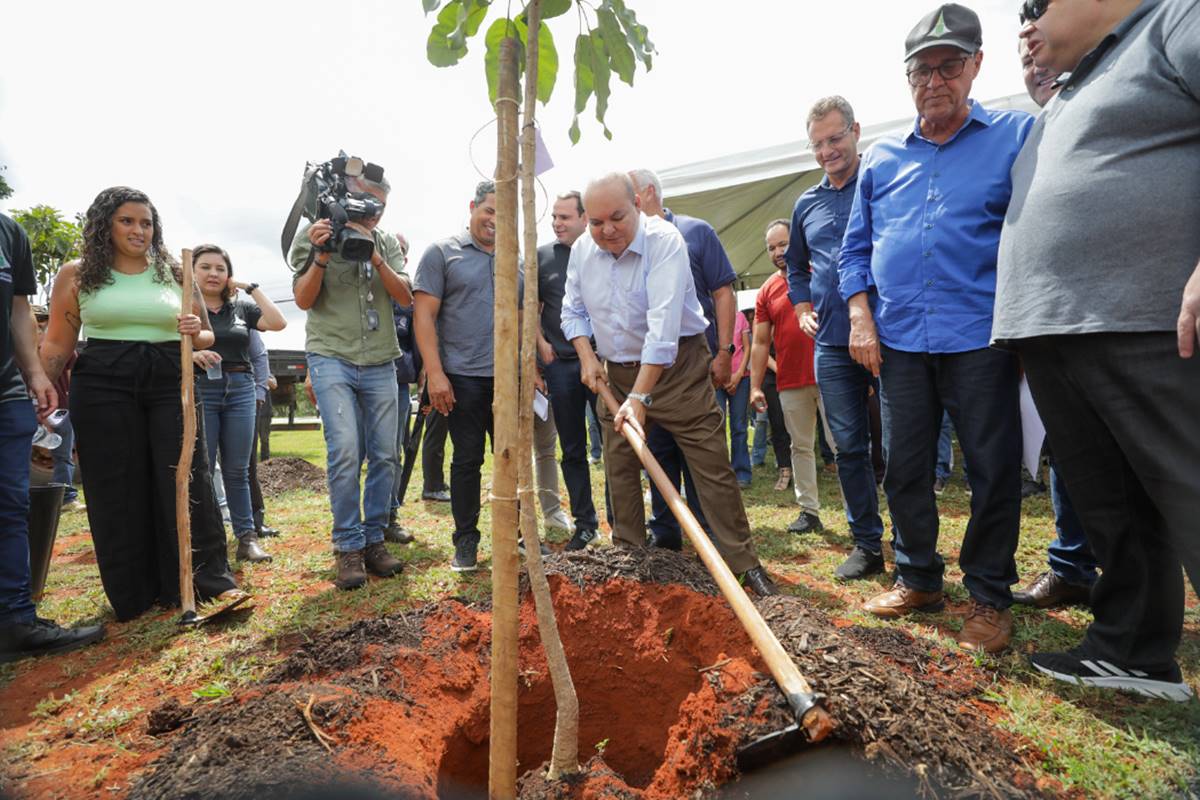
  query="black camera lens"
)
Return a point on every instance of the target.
[{"x": 373, "y": 172}]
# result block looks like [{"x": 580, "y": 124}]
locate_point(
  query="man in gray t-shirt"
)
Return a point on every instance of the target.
[
  {"x": 1098, "y": 288},
  {"x": 453, "y": 296}
]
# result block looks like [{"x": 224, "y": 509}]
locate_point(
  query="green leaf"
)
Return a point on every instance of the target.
[
  {"x": 446, "y": 45},
  {"x": 620, "y": 54},
  {"x": 476, "y": 12},
  {"x": 584, "y": 80},
  {"x": 636, "y": 34},
  {"x": 574, "y": 130},
  {"x": 547, "y": 64},
  {"x": 554, "y": 8},
  {"x": 497, "y": 32},
  {"x": 601, "y": 73},
  {"x": 431, "y": 5}
]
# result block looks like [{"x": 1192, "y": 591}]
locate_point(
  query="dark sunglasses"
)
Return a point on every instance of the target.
[{"x": 1032, "y": 10}]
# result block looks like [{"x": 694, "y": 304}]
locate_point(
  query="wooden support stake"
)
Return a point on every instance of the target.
[
  {"x": 183, "y": 471},
  {"x": 502, "y": 762}
]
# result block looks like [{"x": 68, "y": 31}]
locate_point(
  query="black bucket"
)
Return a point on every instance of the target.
[{"x": 45, "y": 506}]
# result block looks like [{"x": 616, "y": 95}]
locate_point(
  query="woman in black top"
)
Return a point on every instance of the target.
[{"x": 227, "y": 384}]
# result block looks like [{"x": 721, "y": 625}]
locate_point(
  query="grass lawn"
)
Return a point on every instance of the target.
[{"x": 75, "y": 726}]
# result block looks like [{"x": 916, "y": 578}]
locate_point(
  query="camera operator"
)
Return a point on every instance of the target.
[{"x": 350, "y": 348}]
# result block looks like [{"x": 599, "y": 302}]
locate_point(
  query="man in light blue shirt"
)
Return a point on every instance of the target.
[
  {"x": 629, "y": 285},
  {"x": 922, "y": 242}
]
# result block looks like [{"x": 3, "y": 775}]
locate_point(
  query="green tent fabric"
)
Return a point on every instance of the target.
[{"x": 739, "y": 194}]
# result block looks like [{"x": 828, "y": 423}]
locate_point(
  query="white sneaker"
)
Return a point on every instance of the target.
[{"x": 559, "y": 520}]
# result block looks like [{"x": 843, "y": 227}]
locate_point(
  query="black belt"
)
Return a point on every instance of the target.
[
  {"x": 632, "y": 364},
  {"x": 236, "y": 367}
]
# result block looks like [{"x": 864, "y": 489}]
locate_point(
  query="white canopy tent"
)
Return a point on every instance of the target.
[{"x": 739, "y": 194}]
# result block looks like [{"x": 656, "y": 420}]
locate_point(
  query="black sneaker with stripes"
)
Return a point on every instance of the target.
[{"x": 1079, "y": 667}]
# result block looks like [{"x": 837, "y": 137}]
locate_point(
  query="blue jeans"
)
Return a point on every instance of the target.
[
  {"x": 229, "y": 417},
  {"x": 597, "y": 439},
  {"x": 349, "y": 396},
  {"x": 736, "y": 406},
  {"x": 64, "y": 464},
  {"x": 945, "y": 453},
  {"x": 1070, "y": 555},
  {"x": 17, "y": 424},
  {"x": 569, "y": 400},
  {"x": 845, "y": 389},
  {"x": 664, "y": 528},
  {"x": 979, "y": 390},
  {"x": 758, "y": 450}
]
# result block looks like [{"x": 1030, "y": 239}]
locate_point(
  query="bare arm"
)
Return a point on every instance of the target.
[
  {"x": 25, "y": 352},
  {"x": 759, "y": 356},
  {"x": 1188, "y": 326},
  {"x": 725, "y": 307},
  {"x": 425, "y": 312},
  {"x": 65, "y": 322},
  {"x": 308, "y": 285},
  {"x": 396, "y": 283},
  {"x": 272, "y": 318}
]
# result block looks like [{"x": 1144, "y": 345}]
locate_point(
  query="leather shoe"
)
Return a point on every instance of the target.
[
  {"x": 1048, "y": 590},
  {"x": 267, "y": 531},
  {"x": 42, "y": 637},
  {"x": 379, "y": 562},
  {"x": 398, "y": 534},
  {"x": 807, "y": 522},
  {"x": 440, "y": 496},
  {"x": 758, "y": 580},
  {"x": 248, "y": 549},
  {"x": 902, "y": 600},
  {"x": 986, "y": 628}
]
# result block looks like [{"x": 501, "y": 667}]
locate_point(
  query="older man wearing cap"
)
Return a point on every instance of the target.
[
  {"x": 1104, "y": 308},
  {"x": 921, "y": 243}
]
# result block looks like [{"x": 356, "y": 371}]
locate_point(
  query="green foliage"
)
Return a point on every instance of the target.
[
  {"x": 5, "y": 190},
  {"x": 615, "y": 43},
  {"x": 54, "y": 240}
]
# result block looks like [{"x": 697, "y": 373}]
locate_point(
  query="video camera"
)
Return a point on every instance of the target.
[{"x": 326, "y": 195}]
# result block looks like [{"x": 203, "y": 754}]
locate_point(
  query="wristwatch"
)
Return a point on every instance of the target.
[
  {"x": 643, "y": 398},
  {"x": 730, "y": 348},
  {"x": 251, "y": 287}
]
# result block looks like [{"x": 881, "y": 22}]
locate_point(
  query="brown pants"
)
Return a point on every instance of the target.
[{"x": 684, "y": 404}]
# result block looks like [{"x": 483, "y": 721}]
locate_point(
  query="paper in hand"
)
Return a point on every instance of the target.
[{"x": 541, "y": 406}]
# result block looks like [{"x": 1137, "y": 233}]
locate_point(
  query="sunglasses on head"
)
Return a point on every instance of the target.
[{"x": 1032, "y": 10}]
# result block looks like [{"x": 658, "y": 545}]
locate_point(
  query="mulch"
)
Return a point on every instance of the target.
[{"x": 285, "y": 474}]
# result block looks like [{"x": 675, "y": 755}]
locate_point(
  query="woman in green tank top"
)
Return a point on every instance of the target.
[{"x": 124, "y": 295}]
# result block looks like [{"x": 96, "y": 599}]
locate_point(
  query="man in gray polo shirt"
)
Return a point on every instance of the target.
[
  {"x": 1102, "y": 304},
  {"x": 452, "y": 320}
]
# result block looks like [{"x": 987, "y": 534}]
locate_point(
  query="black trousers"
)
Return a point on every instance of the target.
[
  {"x": 433, "y": 452},
  {"x": 262, "y": 431},
  {"x": 781, "y": 442},
  {"x": 469, "y": 423},
  {"x": 1121, "y": 415},
  {"x": 257, "y": 507},
  {"x": 128, "y": 428}
]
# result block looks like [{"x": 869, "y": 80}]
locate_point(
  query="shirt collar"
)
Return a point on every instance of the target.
[
  {"x": 825, "y": 184},
  {"x": 978, "y": 114},
  {"x": 668, "y": 215},
  {"x": 638, "y": 245},
  {"x": 466, "y": 239}
]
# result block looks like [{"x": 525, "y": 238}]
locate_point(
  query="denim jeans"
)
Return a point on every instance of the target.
[
  {"x": 229, "y": 417},
  {"x": 663, "y": 525},
  {"x": 979, "y": 390},
  {"x": 64, "y": 460},
  {"x": 597, "y": 438},
  {"x": 17, "y": 424},
  {"x": 569, "y": 401},
  {"x": 469, "y": 423},
  {"x": 736, "y": 409},
  {"x": 1070, "y": 555},
  {"x": 845, "y": 388},
  {"x": 350, "y": 395},
  {"x": 758, "y": 449}
]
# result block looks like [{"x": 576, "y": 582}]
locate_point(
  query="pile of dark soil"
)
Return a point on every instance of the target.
[
  {"x": 669, "y": 687},
  {"x": 283, "y": 474}
]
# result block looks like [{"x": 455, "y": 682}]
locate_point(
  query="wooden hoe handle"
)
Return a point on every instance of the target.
[{"x": 183, "y": 519}]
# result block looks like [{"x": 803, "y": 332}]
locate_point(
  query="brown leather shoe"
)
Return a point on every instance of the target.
[
  {"x": 902, "y": 600},
  {"x": 1048, "y": 589},
  {"x": 986, "y": 628},
  {"x": 785, "y": 479},
  {"x": 379, "y": 562}
]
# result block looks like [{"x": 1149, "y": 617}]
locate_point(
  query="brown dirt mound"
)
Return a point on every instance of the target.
[
  {"x": 669, "y": 687},
  {"x": 283, "y": 474}
]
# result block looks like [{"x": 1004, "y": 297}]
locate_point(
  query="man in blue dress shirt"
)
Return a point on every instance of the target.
[
  {"x": 818, "y": 225},
  {"x": 922, "y": 243},
  {"x": 630, "y": 286}
]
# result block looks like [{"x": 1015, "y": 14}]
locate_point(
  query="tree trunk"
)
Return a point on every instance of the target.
[
  {"x": 564, "y": 758},
  {"x": 502, "y": 765}
]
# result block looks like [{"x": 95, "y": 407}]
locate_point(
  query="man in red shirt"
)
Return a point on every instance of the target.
[{"x": 775, "y": 320}]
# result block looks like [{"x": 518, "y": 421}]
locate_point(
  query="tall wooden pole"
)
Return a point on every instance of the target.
[
  {"x": 183, "y": 472},
  {"x": 564, "y": 758},
  {"x": 502, "y": 765}
]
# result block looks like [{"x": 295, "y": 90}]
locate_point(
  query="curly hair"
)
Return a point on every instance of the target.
[
  {"x": 95, "y": 264},
  {"x": 204, "y": 249}
]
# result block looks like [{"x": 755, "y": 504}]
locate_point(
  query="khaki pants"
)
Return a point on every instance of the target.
[
  {"x": 683, "y": 404},
  {"x": 800, "y": 407},
  {"x": 545, "y": 462}
]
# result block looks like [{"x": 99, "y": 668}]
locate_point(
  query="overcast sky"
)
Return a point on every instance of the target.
[{"x": 213, "y": 108}]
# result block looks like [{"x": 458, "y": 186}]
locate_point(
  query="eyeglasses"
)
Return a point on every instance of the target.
[
  {"x": 372, "y": 315},
  {"x": 832, "y": 141},
  {"x": 949, "y": 70},
  {"x": 1032, "y": 10}
]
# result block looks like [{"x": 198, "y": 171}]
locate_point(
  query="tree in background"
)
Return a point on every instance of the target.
[
  {"x": 5, "y": 190},
  {"x": 53, "y": 239}
]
